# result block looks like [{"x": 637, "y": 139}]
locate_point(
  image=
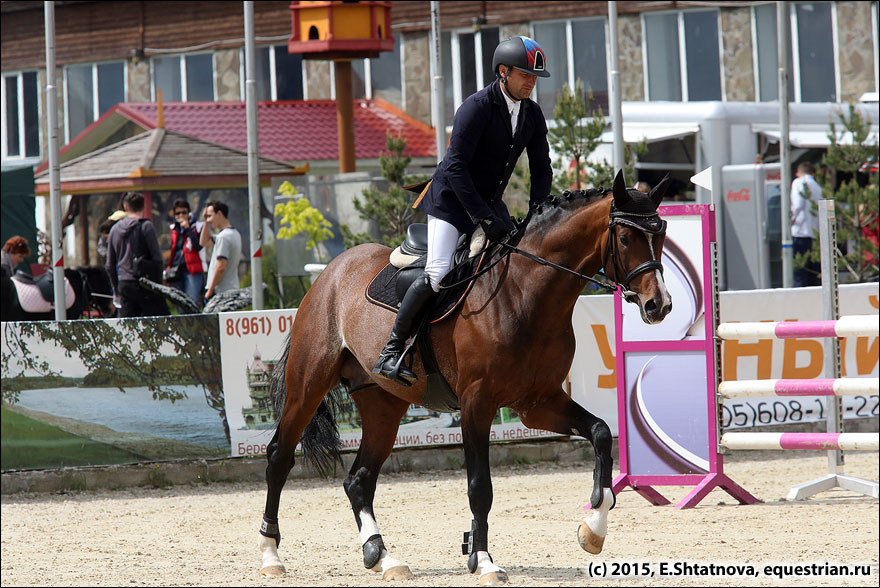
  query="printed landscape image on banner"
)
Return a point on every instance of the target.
[
  {"x": 251, "y": 345},
  {"x": 101, "y": 392}
]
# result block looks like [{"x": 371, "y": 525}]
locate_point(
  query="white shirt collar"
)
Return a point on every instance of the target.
[{"x": 512, "y": 105}]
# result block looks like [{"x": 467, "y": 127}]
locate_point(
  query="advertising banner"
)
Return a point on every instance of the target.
[
  {"x": 251, "y": 344},
  {"x": 99, "y": 392}
]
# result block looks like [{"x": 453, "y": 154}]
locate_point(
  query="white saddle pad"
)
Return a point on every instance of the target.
[{"x": 32, "y": 301}]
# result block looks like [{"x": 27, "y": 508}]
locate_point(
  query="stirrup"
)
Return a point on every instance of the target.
[{"x": 394, "y": 374}]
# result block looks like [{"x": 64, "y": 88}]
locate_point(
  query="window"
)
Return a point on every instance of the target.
[
  {"x": 380, "y": 77},
  {"x": 590, "y": 62},
  {"x": 385, "y": 74},
  {"x": 467, "y": 64},
  {"x": 90, "y": 91},
  {"x": 279, "y": 74},
  {"x": 682, "y": 55},
  {"x": 184, "y": 78},
  {"x": 811, "y": 63},
  {"x": 815, "y": 52},
  {"x": 575, "y": 50},
  {"x": 553, "y": 42},
  {"x": 21, "y": 126}
]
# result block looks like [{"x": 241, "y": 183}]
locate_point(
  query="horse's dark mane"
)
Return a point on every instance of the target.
[{"x": 555, "y": 207}]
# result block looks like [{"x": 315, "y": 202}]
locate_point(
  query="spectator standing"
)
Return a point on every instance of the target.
[
  {"x": 805, "y": 191},
  {"x": 226, "y": 254},
  {"x": 132, "y": 253},
  {"x": 186, "y": 264}
]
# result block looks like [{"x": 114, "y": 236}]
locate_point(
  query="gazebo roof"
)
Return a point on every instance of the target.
[{"x": 162, "y": 159}]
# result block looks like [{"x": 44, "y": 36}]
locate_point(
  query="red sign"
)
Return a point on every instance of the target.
[{"x": 738, "y": 196}]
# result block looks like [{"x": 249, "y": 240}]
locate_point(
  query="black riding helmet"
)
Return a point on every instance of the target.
[{"x": 522, "y": 53}]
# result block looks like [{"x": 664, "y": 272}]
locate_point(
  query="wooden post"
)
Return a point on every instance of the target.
[
  {"x": 84, "y": 227},
  {"x": 344, "y": 116}
]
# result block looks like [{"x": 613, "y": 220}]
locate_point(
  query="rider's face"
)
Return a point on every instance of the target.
[{"x": 519, "y": 83}]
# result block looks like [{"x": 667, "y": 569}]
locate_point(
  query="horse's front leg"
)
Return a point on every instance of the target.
[
  {"x": 380, "y": 414},
  {"x": 476, "y": 421},
  {"x": 557, "y": 412}
]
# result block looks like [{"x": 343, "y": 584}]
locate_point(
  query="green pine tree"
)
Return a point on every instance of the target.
[
  {"x": 392, "y": 210},
  {"x": 855, "y": 198},
  {"x": 576, "y": 135}
]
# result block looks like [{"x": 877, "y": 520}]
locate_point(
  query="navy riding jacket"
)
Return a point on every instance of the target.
[{"x": 470, "y": 181}]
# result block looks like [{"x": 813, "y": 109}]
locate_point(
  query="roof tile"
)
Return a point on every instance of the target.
[{"x": 291, "y": 130}]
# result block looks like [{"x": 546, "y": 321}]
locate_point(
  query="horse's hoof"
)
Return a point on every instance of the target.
[
  {"x": 493, "y": 579},
  {"x": 272, "y": 571},
  {"x": 590, "y": 541},
  {"x": 398, "y": 573}
]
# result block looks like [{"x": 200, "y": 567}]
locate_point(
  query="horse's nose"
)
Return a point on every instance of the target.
[{"x": 657, "y": 312}]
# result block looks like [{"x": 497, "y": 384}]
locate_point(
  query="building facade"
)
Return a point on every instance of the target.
[{"x": 110, "y": 52}]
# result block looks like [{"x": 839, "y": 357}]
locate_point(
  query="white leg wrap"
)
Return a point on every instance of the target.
[
  {"x": 369, "y": 527},
  {"x": 269, "y": 550},
  {"x": 386, "y": 562},
  {"x": 598, "y": 520},
  {"x": 485, "y": 565}
]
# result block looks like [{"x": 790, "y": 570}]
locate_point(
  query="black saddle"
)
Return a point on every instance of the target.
[
  {"x": 45, "y": 283},
  {"x": 389, "y": 286}
]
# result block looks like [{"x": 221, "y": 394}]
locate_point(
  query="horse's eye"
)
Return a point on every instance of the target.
[{"x": 624, "y": 240}]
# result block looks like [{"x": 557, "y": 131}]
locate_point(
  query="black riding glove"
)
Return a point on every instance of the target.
[{"x": 495, "y": 228}]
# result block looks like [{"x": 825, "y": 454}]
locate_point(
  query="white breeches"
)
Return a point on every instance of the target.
[{"x": 442, "y": 239}]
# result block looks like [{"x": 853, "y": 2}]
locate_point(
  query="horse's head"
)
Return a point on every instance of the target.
[{"x": 635, "y": 243}]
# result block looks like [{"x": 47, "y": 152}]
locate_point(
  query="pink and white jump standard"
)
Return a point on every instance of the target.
[
  {"x": 707, "y": 471},
  {"x": 835, "y": 327},
  {"x": 833, "y": 441}
]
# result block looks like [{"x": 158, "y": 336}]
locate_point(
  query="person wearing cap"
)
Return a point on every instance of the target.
[
  {"x": 15, "y": 250},
  {"x": 490, "y": 131},
  {"x": 104, "y": 235}
]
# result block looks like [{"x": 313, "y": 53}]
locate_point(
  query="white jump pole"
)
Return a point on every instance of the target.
[
  {"x": 830, "y": 441},
  {"x": 846, "y": 326},
  {"x": 817, "y": 387}
]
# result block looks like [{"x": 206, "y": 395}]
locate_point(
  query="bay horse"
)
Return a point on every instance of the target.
[{"x": 511, "y": 344}]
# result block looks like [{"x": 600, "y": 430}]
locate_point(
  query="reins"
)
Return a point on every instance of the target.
[{"x": 612, "y": 285}]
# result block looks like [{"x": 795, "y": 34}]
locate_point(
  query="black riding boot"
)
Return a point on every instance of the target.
[{"x": 414, "y": 301}]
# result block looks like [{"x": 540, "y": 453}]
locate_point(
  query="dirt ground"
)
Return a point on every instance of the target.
[{"x": 206, "y": 535}]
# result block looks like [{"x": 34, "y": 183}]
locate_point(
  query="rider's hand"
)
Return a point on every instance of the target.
[{"x": 495, "y": 228}]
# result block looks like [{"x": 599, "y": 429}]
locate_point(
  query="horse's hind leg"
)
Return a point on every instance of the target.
[
  {"x": 280, "y": 464},
  {"x": 380, "y": 414},
  {"x": 559, "y": 413},
  {"x": 476, "y": 421}
]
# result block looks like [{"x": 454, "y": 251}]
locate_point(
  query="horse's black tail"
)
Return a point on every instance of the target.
[{"x": 321, "y": 445}]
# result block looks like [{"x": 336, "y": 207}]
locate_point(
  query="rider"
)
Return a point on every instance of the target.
[{"x": 491, "y": 129}]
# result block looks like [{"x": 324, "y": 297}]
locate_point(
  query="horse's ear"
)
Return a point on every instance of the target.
[
  {"x": 621, "y": 196},
  {"x": 659, "y": 190}
]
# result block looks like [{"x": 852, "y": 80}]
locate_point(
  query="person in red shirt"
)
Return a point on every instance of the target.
[{"x": 186, "y": 264}]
